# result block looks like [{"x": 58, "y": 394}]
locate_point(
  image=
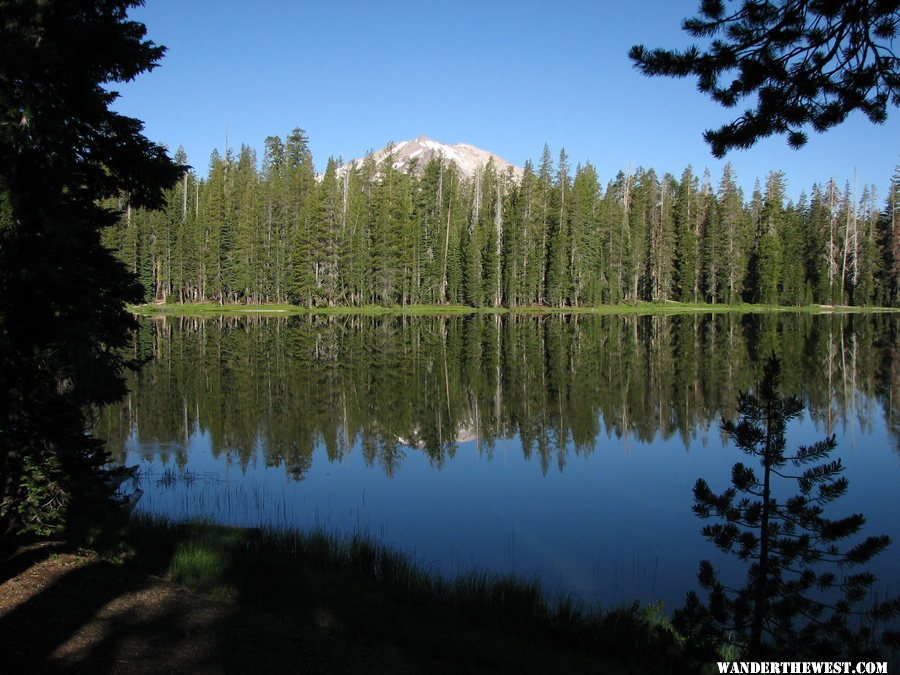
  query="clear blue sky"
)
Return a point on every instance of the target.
[{"x": 504, "y": 75}]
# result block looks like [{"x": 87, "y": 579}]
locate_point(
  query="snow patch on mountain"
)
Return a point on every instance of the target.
[{"x": 468, "y": 159}]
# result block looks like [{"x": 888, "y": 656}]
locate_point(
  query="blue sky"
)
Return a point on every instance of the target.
[{"x": 507, "y": 76}]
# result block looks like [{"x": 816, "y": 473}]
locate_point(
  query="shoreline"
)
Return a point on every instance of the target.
[
  {"x": 643, "y": 308},
  {"x": 239, "y": 598}
]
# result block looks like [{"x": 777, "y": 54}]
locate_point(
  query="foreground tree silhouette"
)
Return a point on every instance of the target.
[
  {"x": 62, "y": 294},
  {"x": 801, "y": 597},
  {"x": 806, "y": 62}
]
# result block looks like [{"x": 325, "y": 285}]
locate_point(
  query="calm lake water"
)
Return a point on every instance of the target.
[{"x": 559, "y": 446}]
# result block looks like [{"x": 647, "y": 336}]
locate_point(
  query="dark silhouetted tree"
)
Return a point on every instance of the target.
[
  {"x": 62, "y": 293},
  {"x": 801, "y": 597},
  {"x": 805, "y": 63}
]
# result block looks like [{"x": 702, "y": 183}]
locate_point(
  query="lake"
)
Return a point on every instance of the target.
[{"x": 561, "y": 446}]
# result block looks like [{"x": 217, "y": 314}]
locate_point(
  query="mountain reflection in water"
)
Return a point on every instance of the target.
[{"x": 562, "y": 445}]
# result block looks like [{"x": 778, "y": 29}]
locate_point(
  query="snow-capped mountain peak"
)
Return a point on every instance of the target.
[{"x": 422, "y": 149}]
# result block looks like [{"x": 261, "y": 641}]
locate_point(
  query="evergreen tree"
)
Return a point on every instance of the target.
[
  {"x": 790, "y": 543},
  {"x": 867, "y": 251},
  {"x": 541, "y": 223},
  {"x": 644, "y": 199},
  {"x": 662, "y": 247},
  {"x": 587, "y": 239},
  {"x": 559, "y": 255},
  {"x": 64, "y": 156},
  {"x": 296, "y": 254},
  {"x": 687, "y": 236},
  {"x": 513, "y": 244},
  {"x": 472, "y": 248},
  {"x": 771, "y": 256},
  {"x": 715, "y": 217},
  {"x": 532, "y": 235},
  {"x": 218, "y": 230},
  {"x": 815, "y": 245},
  {"x": 386, "y": 232},
  {"x": 888, "y": 238},
  {"x": 331, "y": 234},
  {"x": 793, "y": 290},
  {"x": 274, "y": 216},
  {"x": 182, "y": 214},
  {"x": 240, "y": 258},
  {"x": 491, "y": 225},
  {"x": 427, "y": 211},
  {"x": 360, "y": 186},
  {"x": 735, "y": 236}
]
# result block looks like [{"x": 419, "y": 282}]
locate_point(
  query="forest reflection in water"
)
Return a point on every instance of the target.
[{"x": 563, "y": 445}]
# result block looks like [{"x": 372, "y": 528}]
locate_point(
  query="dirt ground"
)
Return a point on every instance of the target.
[{"x": 65, "y": 612}]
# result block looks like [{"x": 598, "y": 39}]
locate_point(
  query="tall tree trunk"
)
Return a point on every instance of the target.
[{"x": 759, "y": 604}]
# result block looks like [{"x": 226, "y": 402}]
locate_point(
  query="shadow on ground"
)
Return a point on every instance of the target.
[
  {"x": 261, "y": 608},
  {"x": 66, "y": 613}
]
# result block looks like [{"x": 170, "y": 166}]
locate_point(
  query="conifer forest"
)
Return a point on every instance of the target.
[{"x": 272, "y": 231}]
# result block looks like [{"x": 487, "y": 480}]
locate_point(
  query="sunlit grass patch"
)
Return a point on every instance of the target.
[{"x": 201, "y": 567}]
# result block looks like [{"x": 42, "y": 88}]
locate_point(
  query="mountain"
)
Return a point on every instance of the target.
[{"x": 468, "y": 158}]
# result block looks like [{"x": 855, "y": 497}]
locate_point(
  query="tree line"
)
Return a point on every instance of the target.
[{"x": 375, "y": 234}]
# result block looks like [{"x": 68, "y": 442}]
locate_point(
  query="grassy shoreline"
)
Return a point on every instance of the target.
[
  {"x": 641, "y": 308},
  {"x": 354, "y": 589}
]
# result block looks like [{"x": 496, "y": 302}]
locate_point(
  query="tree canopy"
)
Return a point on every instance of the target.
[
  {"x": 807, "y": 63},
  {"x": 62, "y": 294}
]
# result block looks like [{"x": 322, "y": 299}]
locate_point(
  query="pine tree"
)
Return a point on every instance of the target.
[
  {"x": 736, "y": 234},
  {"x": 360, "y": 187},
  {"x": 587, "y": 239},
  {"x": 617, "y": 203},
  {"x": 65, "y": 157},
  {"x": 532, "y": 236},
  {"x": 472, "y": 246},
  {"x": 296, "y": 253},
  {"x": 184, "y": 246},
  {"x": 491, "y": 226},
  {"x": 815, "y": 244},
  {"x": 867, "y": 249},
  {"x": 790, "y": 543},
  {"x": 793, "y": 289},
  {"x": 771, "y": 256},
  {"x": 687, "y": 230},
  {"x": 776, "y": 55},
  {"x": 888, "y": 238},
  {"x": 541, "y": 223},
  {"x": 663, "y": 242},
  {"x": 644, "y": 198},
  {"x": 331, "y": 234},
  {"x": 240, "y": 259},
  {"x": 218, "y": 226},
  {"x": 559, "y": 236},
  {"x": 513, "y": 244},
  {"x": 387, "y": 223},
  {"x": 274, "y": 215},
  {"x": 716, "y": 214}
]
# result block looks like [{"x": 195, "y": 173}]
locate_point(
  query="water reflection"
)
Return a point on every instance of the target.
[
  {"x": 426, "y": 384},
  {"x": 563, "y": 446}
]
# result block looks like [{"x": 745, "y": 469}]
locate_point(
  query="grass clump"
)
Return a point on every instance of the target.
[{"x": 202, "y": 568}]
